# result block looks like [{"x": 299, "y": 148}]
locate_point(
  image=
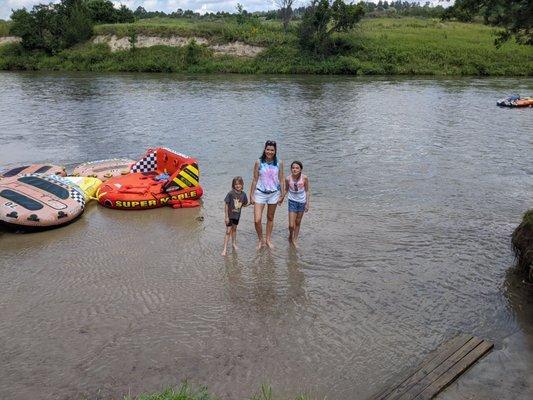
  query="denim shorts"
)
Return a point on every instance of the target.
[{"x": 296, "y": 207}]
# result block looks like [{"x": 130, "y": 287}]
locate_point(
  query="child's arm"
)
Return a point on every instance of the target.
[
  {"x": 281, "y": 177},
  {"x": 254, "y": 182},
  {"x": 307, "y": 193},
  {"x": 226, "y": 215}
]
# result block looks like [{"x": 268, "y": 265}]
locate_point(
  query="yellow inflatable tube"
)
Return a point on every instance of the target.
[{"x": 88, "y": 185}]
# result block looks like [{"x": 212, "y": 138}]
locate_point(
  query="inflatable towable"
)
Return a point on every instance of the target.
[
  {"x": 162, "y": 177},
  {"x": 516, "y": 101},
  {"x": 87, "y": 185},
  {"x": 104, "y": 169},
  {"x": 38, "y": 201},
  {"x": 33, "y": 169}
]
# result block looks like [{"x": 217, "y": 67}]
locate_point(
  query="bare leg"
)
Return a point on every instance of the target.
[
  {"x": 297, "y": 224},
  {"x": 234, "y": 237},
  {"x": 270, "y": 224},
  {"x": 258, "y": 215},
  {"x": 292, "y": 219},
  {"x": 226, "y": 240}
]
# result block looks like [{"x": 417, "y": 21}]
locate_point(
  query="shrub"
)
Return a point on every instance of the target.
[
  {"x": 323, "y": 18},
  {"x": 52, "y": 27}
]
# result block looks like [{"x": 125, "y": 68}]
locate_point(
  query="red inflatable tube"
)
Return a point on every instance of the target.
[{"x": 162, "y": 177}]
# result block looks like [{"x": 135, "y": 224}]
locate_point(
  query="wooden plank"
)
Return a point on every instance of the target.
[
  {"x": 453, "y": 373},
  {"x": 404, "y": 380},
  {"x": 441, "y": 369},
  {"x": 429, "y": 364}
]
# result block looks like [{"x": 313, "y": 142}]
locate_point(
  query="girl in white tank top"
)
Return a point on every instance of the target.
[{"x": 297, "y": 187}]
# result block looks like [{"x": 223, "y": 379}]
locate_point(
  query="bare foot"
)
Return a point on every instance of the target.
[
  {"x": 259, "y": 245},
  {"x": 235, "y": 247},
  {"x": 270, "y": 244},
  {"x": 224, "y": 252}
]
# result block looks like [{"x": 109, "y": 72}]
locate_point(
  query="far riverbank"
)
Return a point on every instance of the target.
[{"x": 385, "y": 46}]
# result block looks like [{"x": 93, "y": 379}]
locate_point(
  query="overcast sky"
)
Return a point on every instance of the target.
[{"x": 164, "y": 5}]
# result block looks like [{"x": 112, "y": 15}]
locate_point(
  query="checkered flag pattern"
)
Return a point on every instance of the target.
[
  {"x": 147, "y": 164},
  {"x": 78, "y": 196}
]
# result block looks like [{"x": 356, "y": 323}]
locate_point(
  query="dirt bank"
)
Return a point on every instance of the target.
[
  {"x": 9, "y": 39},
  {"x": 234, "y": 48}
]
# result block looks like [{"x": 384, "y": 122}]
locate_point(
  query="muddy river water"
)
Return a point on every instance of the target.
[{"x": 417, "y": 185}]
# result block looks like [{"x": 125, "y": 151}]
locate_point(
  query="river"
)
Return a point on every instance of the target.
[{"x": 417, "y": 185}]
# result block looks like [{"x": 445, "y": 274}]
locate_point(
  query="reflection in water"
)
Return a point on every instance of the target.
[
  {"x": 296, "y": 289},
  {"x": 259, "y": 283},
  {"x": 519, "y": 294},
  {"x": 416, "y": 189}
]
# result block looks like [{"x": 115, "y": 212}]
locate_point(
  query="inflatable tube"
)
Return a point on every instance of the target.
[
  {"x": 104, "y": 169},
  {"x": 38, "y": 202},
  {"x": 87, "y": 185},
  {"x": 162, "y": 177},
  {"x": 45, "y": 169},
  {"x": 516, "y": 101}
]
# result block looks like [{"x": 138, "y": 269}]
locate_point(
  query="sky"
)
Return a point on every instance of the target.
[{"x": 201, "y": 6}]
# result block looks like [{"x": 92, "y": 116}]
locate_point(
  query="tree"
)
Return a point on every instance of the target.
[
  {"x": 285, "y": 8},
  {"x": 124, "y": 14},
  {"x": 515, "y": 16},
  {"x": 321, "y": 19},
  {"x": 140, "y": 12},
  {"x": 102, "y": 11},
  {"x": 52, "y": 27}
]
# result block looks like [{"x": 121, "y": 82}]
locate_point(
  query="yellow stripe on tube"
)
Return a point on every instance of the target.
[
  {"x": 189, "y": 178},
  {"x": 193, "y": 169},
  {"x": 180, "y": 183}
]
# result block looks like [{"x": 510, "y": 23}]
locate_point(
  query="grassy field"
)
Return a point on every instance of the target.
[
  {"x": 385, "y": 46},
  {"x": 4, "y": 28}
]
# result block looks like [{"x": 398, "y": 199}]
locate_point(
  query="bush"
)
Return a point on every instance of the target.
[
  {"x": 52, "y": 27},
  {"x": 323, "y": 18}
]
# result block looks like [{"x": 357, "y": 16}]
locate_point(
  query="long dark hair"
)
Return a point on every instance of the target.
[{"x": 263, "y": 156}]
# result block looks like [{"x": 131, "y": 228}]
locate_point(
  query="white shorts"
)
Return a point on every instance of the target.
[{"x": 264, "y": 198}]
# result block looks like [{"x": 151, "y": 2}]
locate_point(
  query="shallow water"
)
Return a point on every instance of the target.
[{"x": 416, "y": 185}]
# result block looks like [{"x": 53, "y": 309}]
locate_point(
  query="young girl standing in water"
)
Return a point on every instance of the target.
[
  {"x": 297, "y": 187},
  {"x": 234, "y": 201}
]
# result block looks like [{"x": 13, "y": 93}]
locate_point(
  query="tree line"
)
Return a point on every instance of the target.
[{"x": 56, "y": 26}]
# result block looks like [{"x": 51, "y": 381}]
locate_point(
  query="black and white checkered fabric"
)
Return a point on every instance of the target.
[
  {"x": 74, "y": 191},
  {"x": 78, "y": 196},
  {"x": 147, "y": 164}
]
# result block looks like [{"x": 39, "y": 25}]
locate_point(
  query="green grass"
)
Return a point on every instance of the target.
[
  {"x": 186, "y": 392},
  {"x": 4, "y": 28},
  {"x": 218, "y": 31},
  {"x": 386, "y": 46}
]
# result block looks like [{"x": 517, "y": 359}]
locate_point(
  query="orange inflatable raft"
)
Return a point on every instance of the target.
[
  {"x": 162, "y": 177},
  {"x": 44, "y": 169},
  {"x": 39, "y": 202},
  {"x": 104, "y": 169}
]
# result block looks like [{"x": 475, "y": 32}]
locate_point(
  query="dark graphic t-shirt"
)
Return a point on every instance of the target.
[{"x": 235, "y": 201}]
